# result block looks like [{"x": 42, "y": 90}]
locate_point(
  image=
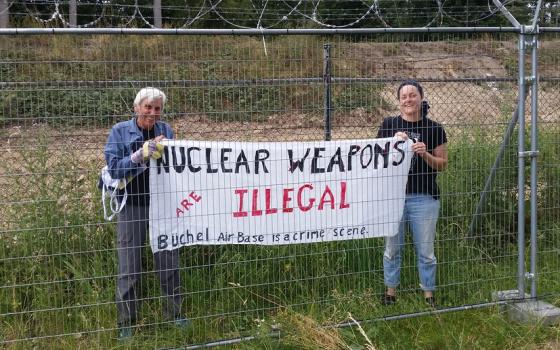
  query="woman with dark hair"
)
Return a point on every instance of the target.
[{"x": 421, "y": 209}]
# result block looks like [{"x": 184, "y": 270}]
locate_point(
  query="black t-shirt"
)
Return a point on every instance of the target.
[
  {"x": 139, "y": 188},
  {"x": 421, "y": 177}
]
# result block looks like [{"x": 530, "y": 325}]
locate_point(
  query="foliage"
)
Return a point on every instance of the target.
[
  {"x": 468, "y": 173},
  {"x": 91, "y": 81},
  {"x": 59, "y": 107}
]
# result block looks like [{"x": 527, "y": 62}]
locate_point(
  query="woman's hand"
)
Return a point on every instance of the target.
[
  {"x": 159, "y": 138},
  {"x": 419, "y": 148},
  {"x": 437, "y": 159}
]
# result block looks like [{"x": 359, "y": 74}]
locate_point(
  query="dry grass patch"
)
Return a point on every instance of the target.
[{"x": 305, "y": 332}]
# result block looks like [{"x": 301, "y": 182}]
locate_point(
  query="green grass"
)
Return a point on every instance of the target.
[
  {"x": 475, "y": 329},
  {"x": 58, "y": 268}
]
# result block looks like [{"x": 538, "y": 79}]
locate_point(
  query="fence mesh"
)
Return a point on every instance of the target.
[
  {"x": 62, "y": 93},
  {"x": 548, "y": 183}
]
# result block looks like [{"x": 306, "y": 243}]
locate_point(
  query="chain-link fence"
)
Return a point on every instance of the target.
[{"x": 62, "y": 93}]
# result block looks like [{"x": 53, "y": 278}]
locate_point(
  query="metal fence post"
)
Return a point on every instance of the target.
[
  {"x": 521, "y": 170},
  {"x": 157, "y": 14},
  {"x": 73, "y": 13},
  {"x": 327, "y": 78},
  {"x": 534, "y": 154},
  {"x": 4, "y": 14}
]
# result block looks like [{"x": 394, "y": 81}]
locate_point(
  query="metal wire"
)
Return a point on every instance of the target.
[
  {"x": 62, "y": 93},
  {"x": 264, "y": 14}
]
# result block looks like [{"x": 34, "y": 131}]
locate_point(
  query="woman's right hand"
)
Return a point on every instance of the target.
[{"x": 401, "y": 135}]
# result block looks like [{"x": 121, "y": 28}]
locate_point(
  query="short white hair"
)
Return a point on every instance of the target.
[{"x": 151, "y": 94}]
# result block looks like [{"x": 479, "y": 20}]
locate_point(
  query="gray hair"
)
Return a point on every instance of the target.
[{"x": 151, "y": 94}]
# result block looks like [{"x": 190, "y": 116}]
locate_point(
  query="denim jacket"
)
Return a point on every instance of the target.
[{"x": 119, "y": 147}]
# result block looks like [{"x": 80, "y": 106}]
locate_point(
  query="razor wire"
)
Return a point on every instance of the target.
[{"x": 264, "y": 14}]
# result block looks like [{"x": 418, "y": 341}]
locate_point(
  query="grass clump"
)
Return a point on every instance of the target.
[{"x": 305, "y": 332}]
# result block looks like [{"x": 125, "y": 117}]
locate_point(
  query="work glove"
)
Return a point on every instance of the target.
[
  {"x": 150, "y": 149},
  {"x": 137, "y": 157}
]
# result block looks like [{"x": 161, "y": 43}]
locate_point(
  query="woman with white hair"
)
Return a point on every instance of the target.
[{"x": 129, "y": 147}]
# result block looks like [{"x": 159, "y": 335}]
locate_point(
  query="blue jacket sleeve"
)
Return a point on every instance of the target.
[
  {"x": 117, "y": 156},
  {"x": 168, "y": 132}
]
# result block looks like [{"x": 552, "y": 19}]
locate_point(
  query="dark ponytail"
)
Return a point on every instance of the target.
[{"x": 424, "y": 109}]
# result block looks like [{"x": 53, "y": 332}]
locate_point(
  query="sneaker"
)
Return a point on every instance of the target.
[
  {"x": 182, "y": 322},
  {"x": 387, "y": 299},
  {"x": 431, "y": 301},
  {"x": 125, "y": 333}
]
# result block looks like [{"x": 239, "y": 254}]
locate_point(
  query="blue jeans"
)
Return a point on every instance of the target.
[{"x": 420, "y": 214}]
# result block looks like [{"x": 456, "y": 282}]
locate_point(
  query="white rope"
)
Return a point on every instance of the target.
[
  {"x": 111, "y": 189},
  {"x": 114, "y": 206}
]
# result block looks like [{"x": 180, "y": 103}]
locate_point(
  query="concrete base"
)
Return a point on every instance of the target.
[{"x": 528, "y": 311}]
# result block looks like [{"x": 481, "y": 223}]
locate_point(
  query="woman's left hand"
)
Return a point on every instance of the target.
[
  {"x": 419, "y": 148},
  {"x": 159, "y": 138}
]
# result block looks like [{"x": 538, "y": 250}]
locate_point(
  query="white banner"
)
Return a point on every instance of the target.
[{"x": 272, "y": 193}]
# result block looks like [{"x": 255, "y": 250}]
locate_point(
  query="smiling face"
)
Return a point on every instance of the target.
[
  {"x": 410, "y": 101},
  {"x": 148, "y": 113}
]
